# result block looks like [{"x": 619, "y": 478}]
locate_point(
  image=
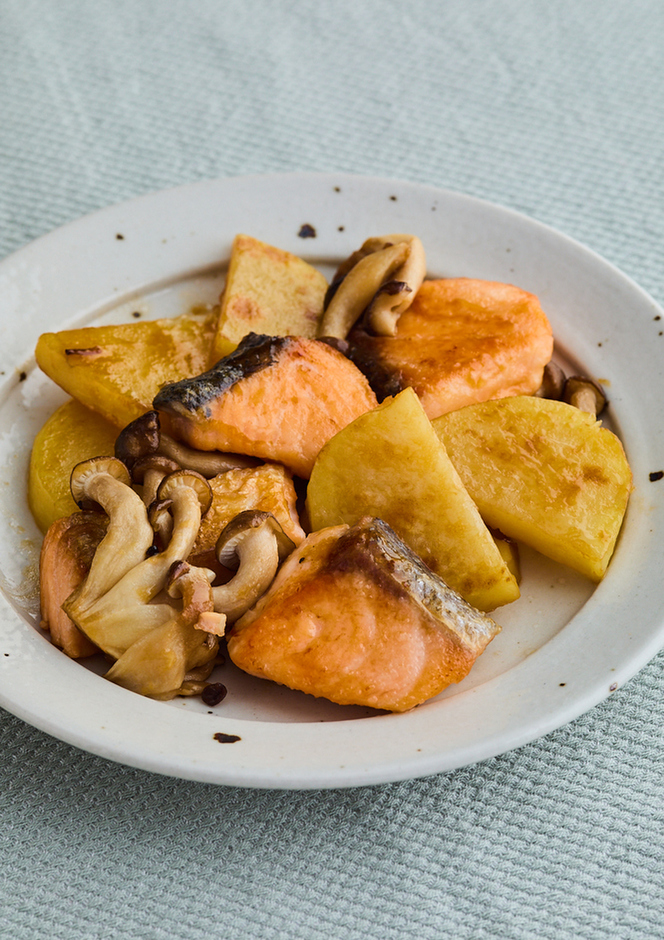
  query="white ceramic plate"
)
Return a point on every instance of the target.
[{"x": 564, "y": 645}]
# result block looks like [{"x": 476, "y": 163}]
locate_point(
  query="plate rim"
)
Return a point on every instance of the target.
[{"x": 210, "y": 770}]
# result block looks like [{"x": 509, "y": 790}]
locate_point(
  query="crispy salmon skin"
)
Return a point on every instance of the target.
[{"x": 279, "y": 398}]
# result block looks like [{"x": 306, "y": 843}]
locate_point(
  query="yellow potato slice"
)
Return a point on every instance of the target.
[
  {"x": 389, "y": 463},
  {"x": 117, "y": 370},
  {"x": 268, "y": 291},
  {"x": 544, "y": 473},
  {"x": 73, "y": 433}
]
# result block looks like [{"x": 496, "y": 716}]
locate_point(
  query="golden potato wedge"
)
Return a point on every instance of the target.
[
  {"x": 544, "y": 473},
  {"x": 72, "y": 434},
  {"x": 389, "y": 463},
  {"x": 268, "y": 291},
  {"x": 117, "y": 370}
]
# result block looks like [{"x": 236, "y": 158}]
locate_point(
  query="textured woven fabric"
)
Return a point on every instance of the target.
[{"x": 555, "y": 109}]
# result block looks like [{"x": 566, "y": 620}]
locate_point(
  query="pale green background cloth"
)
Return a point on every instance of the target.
[{"x": 551, "y": 108}]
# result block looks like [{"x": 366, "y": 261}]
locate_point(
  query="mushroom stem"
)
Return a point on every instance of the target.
[
  {"x": 585, "y": 401},
  {"x": 143, "y": 439},
  {"x": 553, "y": 382},
  {"x": 192, "y": 584},
  {"x": 585, "y": 394},
  {"x": 397, "y": 295},
  {"x": 105, "y": 481},
  {"x": 158, "y": 662},
  {"x": 161, "y": 521},
  {"x": 359, "y": 287},
  {"x": 255, "y": 543}
]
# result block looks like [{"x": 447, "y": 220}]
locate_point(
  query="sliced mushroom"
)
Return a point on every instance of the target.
[
  {"x": 553, "y": 382},
  {"x": 394, "y": 297},
  {"x": 584, "y": 394},
  {"x": 382, "y": 279},
  {"x": 207, "y": 463},
  {"x": 255, "y": 544},
  {"x": 104, "y": 482},
  {"x": 144, "y": 438},
  {"x": 158, "y": 663},
  {"x": 125, "y": 613}
]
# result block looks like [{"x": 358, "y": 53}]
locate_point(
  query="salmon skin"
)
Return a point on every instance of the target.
[
  {"x": 279, "y": 398},
  {"x": 254, "y": 353},
  {"x": 356, "y": 617}
]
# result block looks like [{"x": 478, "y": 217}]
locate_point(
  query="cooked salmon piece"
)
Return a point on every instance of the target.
[
  {"x": 356, "y": 617},
  {"x": 66, "y": 555},
  {"x": 461, "y": 341},
  {"x": 280, "y": 398},
  {"x": 268, "y": 488}
]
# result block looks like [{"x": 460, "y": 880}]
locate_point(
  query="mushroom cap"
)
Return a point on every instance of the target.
[
  {"x": 341, "y": 345},
  {"x": 152, "y": 462},
  {"x": 242, "y": 525},
  {"x": 578, "y": 385},
  {"x": 358, "y": 288},
  {"x": 182, "y": 572},
  {"x": 169, "y": 486},
  {"x": 87, "y": 470},
  {"x": 175, "y": 572},
  {"x": 156, "y": 510},
  {"x": 138, "y": 439}
]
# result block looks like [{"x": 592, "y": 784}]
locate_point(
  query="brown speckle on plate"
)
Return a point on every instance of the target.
[
  {"x": 307, "y": 231},
  {"x": 226, "y": 738}
]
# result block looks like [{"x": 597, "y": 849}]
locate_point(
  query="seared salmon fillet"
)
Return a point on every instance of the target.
[
  {"x": 356, "y": 617},
  {"x": 280, "y": 398},
  {"x": 461, "y": 341}
]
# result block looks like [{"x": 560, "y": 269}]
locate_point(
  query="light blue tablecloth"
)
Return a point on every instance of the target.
[{"x": 554, "y": 109}]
